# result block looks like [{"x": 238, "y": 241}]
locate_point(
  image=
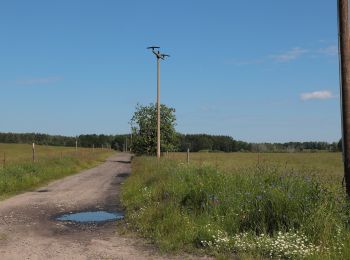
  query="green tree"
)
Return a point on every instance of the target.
[{"x": 144, "y": 129}]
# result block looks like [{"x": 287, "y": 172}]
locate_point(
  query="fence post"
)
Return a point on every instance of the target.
[
  {"x": 188, "y": 155},
  {"x": 33, "y": 149},
  {"x": 4, "y": 160}
]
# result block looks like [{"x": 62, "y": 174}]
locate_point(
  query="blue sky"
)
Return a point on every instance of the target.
[{"x": 260, "y": 71}]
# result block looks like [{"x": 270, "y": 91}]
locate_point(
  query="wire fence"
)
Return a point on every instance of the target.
[{"x": 16, "y": 154}]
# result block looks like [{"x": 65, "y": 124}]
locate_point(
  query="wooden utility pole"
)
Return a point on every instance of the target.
[
  {"x": 158, "y": 108},
  {"x": 344, "y": 62},
  {"x": 158, "y": 56}
]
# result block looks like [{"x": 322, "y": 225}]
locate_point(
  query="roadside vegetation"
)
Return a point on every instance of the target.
[
  {"x": 19, "y": 173},
  {"x": 252, "y": 205}
]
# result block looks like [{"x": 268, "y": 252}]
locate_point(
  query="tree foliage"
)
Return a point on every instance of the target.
[{"x": 144, "y": 129}]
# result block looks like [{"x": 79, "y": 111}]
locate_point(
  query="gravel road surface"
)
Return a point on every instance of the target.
[{"x": 28, "y": 229}]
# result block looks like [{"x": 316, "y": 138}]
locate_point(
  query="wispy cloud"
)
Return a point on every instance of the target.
[
  {"x": 289, "y": 55},
  {"x": 331, "y": 50},
  {"x": 32, "y": 81},
  {"x": 322, "y": 94},
  {"x": 247, "y": 62}
]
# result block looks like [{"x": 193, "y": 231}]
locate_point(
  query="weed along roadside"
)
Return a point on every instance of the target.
[
  {"x": 41, "y": 166},
  {"x": 267, "y": 210}
]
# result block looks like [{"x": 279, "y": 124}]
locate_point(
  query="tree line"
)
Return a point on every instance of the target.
[
  {"x": 194, "y": 142},
  {"x": 205, "y": 142},
  {"x": 116, "y": 142},
  {"x": 144, "y": 132}
]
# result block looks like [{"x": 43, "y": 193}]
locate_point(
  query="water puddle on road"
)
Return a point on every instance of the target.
[{"x": 91, "y": 216}]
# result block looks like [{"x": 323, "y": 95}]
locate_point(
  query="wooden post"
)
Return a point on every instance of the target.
[
  {"x": 4, "y": 160},
  {"x": 344, "y": 63},
  {"x": 188, "y": 155},
  {"x": 33, "y": 152},
  {"x": 130, "y": 139},
  {"x": 76, "y": 145}
]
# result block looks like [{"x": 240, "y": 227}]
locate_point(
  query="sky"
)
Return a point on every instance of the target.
[{"x": 259, "y": 71}]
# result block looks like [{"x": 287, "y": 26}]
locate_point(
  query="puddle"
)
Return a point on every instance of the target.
[{"x": 91, "y": 216}]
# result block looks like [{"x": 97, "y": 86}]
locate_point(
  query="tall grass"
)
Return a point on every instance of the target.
[
  {"x": 264, "y": 210},
  {"x": 22, "y": 175}
]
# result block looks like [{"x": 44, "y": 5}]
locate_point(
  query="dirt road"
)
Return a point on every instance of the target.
[{"x": 28, "y": 229}]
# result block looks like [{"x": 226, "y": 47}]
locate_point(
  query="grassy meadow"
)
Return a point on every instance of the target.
[
  {"x": 19, "y": 173},
  {"x": 327, "y": 166},
  {"x": 267, "y": 205}
]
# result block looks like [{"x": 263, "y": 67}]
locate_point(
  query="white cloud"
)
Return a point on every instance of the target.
[
  {"x": 32, "y": 81},
  {"x": 322, "y": 94},
  {"x": 289, "y": 55}
]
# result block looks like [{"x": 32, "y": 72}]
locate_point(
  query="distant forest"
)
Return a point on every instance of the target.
[
  {"x": 194, "y": 142},
  {"x": 201, "y": 142},
  {"x": 98, "y": 141}
]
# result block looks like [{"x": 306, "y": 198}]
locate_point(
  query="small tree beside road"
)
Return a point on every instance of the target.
[{"x": 144, "y": 129}]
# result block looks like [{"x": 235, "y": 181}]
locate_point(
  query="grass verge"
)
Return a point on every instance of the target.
[
  {"x": 262, "y": 211},
  {"x": 19, "y": 177}
]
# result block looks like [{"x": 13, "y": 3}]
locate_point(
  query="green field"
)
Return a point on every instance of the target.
[
  {"x": 327, "y": 166},
  {"x": 267, "y": 205},
  {"x": 19, "y": 173}
]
